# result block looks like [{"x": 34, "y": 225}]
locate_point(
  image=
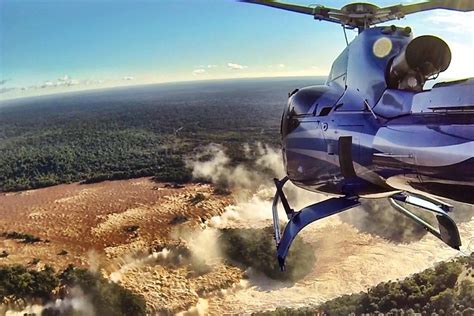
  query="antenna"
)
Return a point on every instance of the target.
[
  {"x": 370, "y": 109},
  {"x": 345, "y": 34}
]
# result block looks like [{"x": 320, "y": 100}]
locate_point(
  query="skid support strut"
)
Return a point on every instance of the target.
[
  {"x": 298, "y": 220},
  {"x": 448, "y": 231}
]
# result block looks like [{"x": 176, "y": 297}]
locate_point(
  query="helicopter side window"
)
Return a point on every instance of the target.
[
  {"x": 302, "y": 102},
  {"x": 339, "y": 69},
  {"x": 313, "y": 101}
]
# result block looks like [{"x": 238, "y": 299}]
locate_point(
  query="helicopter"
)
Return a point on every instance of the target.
[{"x": 373, "y": 131}]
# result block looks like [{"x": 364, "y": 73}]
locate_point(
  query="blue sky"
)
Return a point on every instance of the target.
[{"x": 94, "y": 43}]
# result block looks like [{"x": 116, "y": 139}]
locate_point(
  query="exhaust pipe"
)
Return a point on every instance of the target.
[{"x": 422, "y": 58}]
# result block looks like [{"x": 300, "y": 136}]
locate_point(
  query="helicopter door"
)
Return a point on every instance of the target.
[{"x": 332, "y": 150}]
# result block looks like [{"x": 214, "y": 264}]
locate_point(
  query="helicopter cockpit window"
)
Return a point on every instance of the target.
[
  {"x": 339, "y": 69},
  {"x": 302, "y": 102}
]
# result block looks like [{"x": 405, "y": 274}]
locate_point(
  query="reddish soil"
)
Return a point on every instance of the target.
[{"x": 91, "y": 220}]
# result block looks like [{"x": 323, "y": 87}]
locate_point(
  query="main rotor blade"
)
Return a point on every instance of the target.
[
  {"x": 283, "y": 6},
  {"x": 318, "y": 12},
  {"x": 363, "y": 15},
  {"x": 455, "y": 5}
]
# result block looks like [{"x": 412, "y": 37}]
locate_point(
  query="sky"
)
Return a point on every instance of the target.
[{"x": 51, "y": 46}]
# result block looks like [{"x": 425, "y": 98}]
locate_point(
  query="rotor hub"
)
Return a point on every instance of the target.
[{"x": 360, "y": 8}]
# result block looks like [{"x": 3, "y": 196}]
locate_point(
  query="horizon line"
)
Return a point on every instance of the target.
[{"x": 86, "y": 89}]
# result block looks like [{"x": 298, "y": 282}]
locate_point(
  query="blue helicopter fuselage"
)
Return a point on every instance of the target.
[{"x": 359, "y": 135}]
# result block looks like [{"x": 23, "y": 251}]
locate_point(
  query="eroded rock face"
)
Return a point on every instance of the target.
[
  {"x": 108, "y": 217},
  {"x": 168, "y": 291},
  {"x": 128, "y": 231},
  {"x": 172, "y": 278}
]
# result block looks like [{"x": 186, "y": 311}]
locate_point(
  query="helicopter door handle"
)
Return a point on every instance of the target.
[{"x": 390, "y": 155}]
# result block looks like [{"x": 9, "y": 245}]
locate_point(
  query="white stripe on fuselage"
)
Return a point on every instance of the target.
[
  {"x": 436, "y": 156},
  {"x": 361, "y": 171}
]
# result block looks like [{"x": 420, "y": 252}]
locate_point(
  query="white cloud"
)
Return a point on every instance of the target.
[
  {"x": 451, "y": 21},
  {"x": 279, "y": 66},
  {"x": 236, "y": 66},
  {"x": 5, "y": 90},
  {"x": 199, "y": 71},
  {"x": 460, "y": 41},
  {"x": 206, "y": 66},
  {"x": 65, "y": 81},
  {"x": 461, "y": 63},
  {"x": 65, "y": 78},
  {"x": 47, "y": 84}
]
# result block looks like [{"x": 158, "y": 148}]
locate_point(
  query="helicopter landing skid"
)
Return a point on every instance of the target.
[
  {"x": 299, "y": 220},
  {"x": 448, "y": 230}
]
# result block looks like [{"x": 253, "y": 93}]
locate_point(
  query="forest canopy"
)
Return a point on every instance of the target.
[
  {"x": 134, "y": 132},
  {"x": 105, "y": 297}
]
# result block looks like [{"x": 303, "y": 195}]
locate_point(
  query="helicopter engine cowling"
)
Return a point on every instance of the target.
[{"x": 422, "y": 58}]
